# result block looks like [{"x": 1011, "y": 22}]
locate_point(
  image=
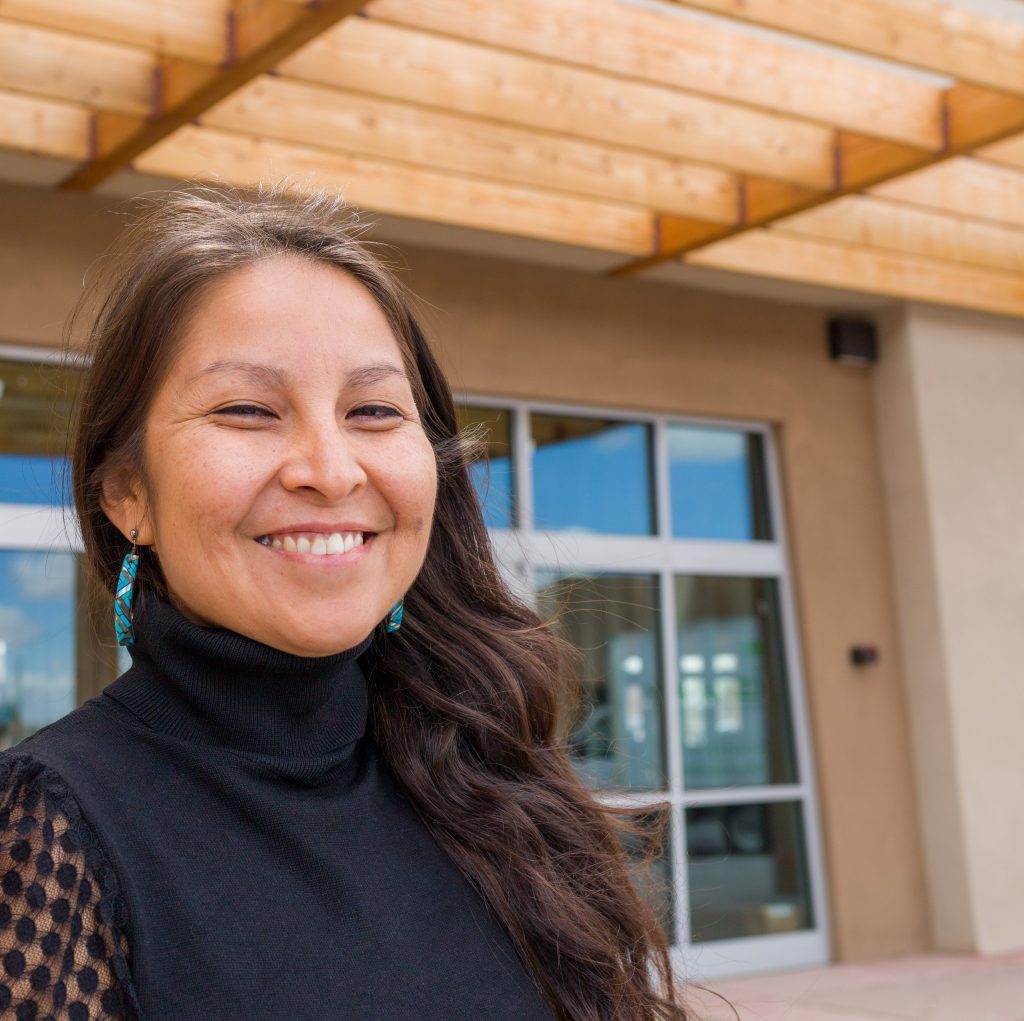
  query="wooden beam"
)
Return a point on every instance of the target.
[
  {"x": 43, "y": 126},
  {"x": 357, "y": 125},
  {"x": 400, "y": 190},
  {"x": 704, "y": 58},
  {"x": 869, "y": 222},
  {"x": 880, "y": 167},
  {"x": 976, "y": 117},
  {"x": 968, "y": 45},
  {"x": 968, "y": 187},
  {"x": 1010, "y": 152},
  {"x": 392, "y": 62},
  {"x": 190, "y": 29},
  {"x": 261, "y": 33},
  {"x": 771, "y": 254},
  {"x": 60, "y": 65}
]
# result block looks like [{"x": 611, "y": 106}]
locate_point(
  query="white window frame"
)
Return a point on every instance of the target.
[{"x": 523, "y": 550}]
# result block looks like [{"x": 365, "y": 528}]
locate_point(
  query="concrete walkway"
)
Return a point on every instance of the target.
[{"x": 932, "y": 988}]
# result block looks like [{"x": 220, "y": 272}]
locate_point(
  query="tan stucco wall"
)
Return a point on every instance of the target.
[
  {"x": 47, "y": 242},
  {"x": 519, "y": 330},
  {"x": 950, "y": 397}
]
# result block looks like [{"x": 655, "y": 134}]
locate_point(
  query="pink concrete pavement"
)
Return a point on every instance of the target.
[{"x": 932, "y": 988}]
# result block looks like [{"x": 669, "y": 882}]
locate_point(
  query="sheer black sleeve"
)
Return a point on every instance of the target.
[{"x": 63, "y": 952}]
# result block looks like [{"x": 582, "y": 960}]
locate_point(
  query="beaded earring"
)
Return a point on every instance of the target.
[
  {"x": 124, "y": 594},
  {"x": 394, "y": 617}
]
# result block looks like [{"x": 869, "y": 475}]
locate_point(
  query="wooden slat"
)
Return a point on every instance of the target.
[
  {"x": 364, "y": 126},
  {"x": 264, "y": 32},
  {"x": 965, "y": 44},
  {"x": 403, "y": 191},
  {"x": 58, "y": 65},
  {"x": 1009, "y": 152},
  {"x": 392, "y": 62},
  {"x": 43, "y": 126},
  {"x": 191, "y": 29},
  {"x": 770, "y": 253},
  {"x": 709, "y": 59},
  {"x": 966, "y": 186},
  {"x": 879, "y": 223}
]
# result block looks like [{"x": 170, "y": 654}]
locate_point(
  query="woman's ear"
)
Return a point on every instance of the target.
[{"x": 124, "y": 501}]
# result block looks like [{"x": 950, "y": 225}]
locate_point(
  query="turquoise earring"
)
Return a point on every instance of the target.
[
  {"x": 124, "y": 594},
  {"x": 394, "y": 617}
]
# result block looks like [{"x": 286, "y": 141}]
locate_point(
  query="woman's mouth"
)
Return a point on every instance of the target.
[{"x": 322, "y": 544}]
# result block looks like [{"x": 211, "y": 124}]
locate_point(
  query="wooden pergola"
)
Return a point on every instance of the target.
[{"x": 654, "y": 130}]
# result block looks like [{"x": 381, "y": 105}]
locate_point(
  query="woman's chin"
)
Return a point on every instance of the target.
[{"x": 305, "y": 641}]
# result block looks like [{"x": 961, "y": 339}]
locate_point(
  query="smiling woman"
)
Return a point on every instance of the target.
[{"x": 332, "y": 782}]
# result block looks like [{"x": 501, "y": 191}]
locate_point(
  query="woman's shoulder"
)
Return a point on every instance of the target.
[
  {"x": 70, "y": 744},
  {"x": 63, "y": 942}
]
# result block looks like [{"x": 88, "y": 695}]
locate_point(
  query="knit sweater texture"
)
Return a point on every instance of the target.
[{"x": 215, "y": 837}]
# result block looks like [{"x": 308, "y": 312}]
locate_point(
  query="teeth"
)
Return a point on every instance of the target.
[{"x": 315, "y": 543}]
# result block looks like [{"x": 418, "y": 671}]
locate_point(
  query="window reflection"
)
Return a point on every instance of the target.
[
  {"x": 616, "y": 739},
  {"x": 747, "y": 869},
  {"x": 733, "y": 692},
  {"x": 593, "y": 474},
  {"x": 718, "y": 484},
  {"x": 35, "y": 409},
  {"x": 37, "y": 641},
  {"x": 492, "y": 477}
]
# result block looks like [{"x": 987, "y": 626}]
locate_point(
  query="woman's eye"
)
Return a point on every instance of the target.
[
  {"x": 245, "y": 411},
  {"x": 378, "y": 412}
]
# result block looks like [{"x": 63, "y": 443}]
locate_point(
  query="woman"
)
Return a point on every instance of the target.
[{"x": 330, "y": 784}]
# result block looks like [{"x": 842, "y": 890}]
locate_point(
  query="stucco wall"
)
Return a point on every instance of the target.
[
  {"x": 515, "y": 329},
  {"x": 951, "y": 395}
]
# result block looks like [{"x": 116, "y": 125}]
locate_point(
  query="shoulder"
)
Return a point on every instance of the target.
[
  {"x": 63, "y": 930},
  {"x": 73, "y": 742}
]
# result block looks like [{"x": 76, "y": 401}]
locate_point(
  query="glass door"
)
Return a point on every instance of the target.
[{"x": 658, "y": 546}]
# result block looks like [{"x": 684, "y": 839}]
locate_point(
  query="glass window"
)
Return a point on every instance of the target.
[
  {"x": 717, "y": 482},
  {"x": 492, "y": 477},
  {"x": 616, "y": 739},
  {"x": 747, "y": 869},
  {"x": 35, "y": 403},
  {"x": 34, "y": 480},
  {"x": 592, "y": 474},
  {"x": 733, "y": 694},
  {"x": 37, "y": 641}
]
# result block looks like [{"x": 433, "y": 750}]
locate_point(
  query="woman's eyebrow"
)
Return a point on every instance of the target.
[
  {"x": 268, "y": 375},
  {"x": 264, "y": 375},
  {"x": 375, "y": 372}
]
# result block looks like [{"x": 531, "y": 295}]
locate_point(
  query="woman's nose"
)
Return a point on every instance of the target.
[{"x": 324, "y": 459}]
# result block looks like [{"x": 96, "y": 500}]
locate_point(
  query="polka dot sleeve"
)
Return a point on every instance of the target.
[{"x": 63, "y": 953}]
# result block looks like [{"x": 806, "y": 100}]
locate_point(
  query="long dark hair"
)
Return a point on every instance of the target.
[{"x": 465, "y": 697}]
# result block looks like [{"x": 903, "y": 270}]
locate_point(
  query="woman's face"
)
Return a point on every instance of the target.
[{"x": 289, "y": 486}]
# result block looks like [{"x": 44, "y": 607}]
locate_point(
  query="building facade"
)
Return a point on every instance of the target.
[{"x": 718, "y": 513}]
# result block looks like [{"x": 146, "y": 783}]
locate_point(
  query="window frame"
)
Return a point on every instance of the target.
[{"x": 522, "y": 551}]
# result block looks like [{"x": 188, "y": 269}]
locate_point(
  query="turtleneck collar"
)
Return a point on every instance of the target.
[{"x": 214, "y": 686}]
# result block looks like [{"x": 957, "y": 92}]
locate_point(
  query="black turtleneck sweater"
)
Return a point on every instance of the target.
[{"x": 216, "y": 838}]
